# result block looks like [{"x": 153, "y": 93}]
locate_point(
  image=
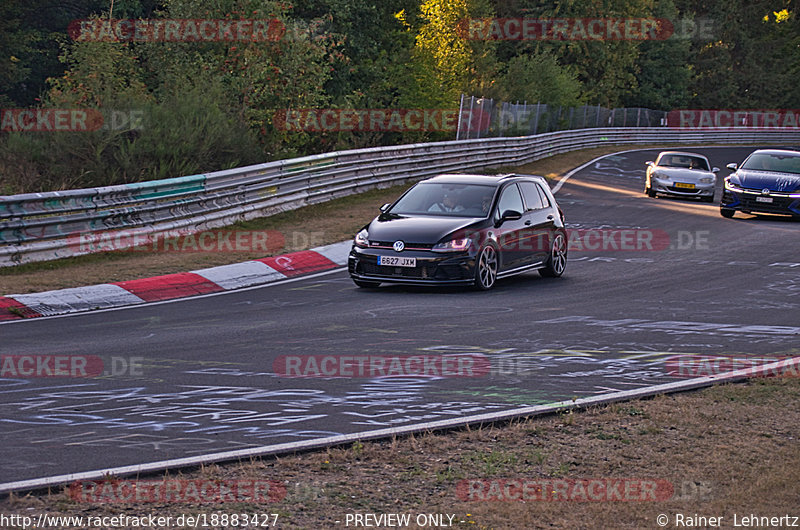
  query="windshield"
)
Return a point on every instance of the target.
[
  {"x": 447, "y": 199},
  {"x": 684, "y": 161},
  {"x": 770, "y": 162}
]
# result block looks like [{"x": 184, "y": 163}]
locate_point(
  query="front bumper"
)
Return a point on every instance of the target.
[
  {"x": 746, "y": 200},
  {"x": 440, "y": 268},
  {"x": 667, "y": 187}
]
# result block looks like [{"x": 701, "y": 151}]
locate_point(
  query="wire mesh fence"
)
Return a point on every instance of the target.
[{"x": 487, "y": 118}]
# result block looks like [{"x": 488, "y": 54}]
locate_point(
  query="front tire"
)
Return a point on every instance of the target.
[
  {"x": 650, "y": 192},
  {"x": 557, "y": 262},
  {"x": 486, "y": 265},
  {"x": 726, "y": 212}
]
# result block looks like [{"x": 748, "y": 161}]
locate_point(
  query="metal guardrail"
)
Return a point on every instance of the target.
[{"x": 42, "y": 226}]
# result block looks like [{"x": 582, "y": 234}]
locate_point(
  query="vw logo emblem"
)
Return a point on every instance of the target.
[
  {"x": 399, "y": 246},
  {"x": 765, "y": 191}
]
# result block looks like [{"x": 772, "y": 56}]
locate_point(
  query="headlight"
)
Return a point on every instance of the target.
[
  {"x": 730, "y": 186},
  {"x": 362, "y": 238},
  {"x": 706, "y": 180},
  {"x": 454, "y": 245},
  {"x": 659, "y": 176}
]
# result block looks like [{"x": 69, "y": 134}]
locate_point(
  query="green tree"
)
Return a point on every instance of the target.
[
  {"x": 15, "y": 43},
  {"x": 447, "y": 62},
  {"x": 538, "y": 77},
  {"x": 372, "y": 65},
  {"x": 607, "y": 69},
  {"x": 663, "y": 65},
  {"x": 753, "y": 59}
]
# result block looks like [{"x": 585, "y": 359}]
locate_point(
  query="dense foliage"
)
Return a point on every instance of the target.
[{"x": 204, "y": 106}]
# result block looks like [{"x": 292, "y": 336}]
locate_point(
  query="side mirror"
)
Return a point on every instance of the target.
[
  {"x": 385, "y": 207},
  {"x": 714, "y": 169},
  {"x": 509, "y": 215},
  {"x": 732, "y": 167},
  {"x": 649, "y": 163}
]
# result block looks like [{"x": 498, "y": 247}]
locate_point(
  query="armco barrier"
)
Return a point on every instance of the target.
[{"x": 35, "y": 226}]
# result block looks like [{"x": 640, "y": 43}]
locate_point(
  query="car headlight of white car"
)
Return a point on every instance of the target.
[{"x": 706, "y": 180}]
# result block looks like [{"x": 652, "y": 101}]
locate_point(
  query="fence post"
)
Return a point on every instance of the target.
[
  {"x": 471, "y": 121},
  {"x": 525, "y": 115},
  {"x": 460, "y": 114}
]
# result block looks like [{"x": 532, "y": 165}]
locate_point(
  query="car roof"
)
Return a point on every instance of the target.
[
  {"x": 782, "y": 152},
  {"x": 481, "y": 179},
  {"x": 681, "y": 153}
]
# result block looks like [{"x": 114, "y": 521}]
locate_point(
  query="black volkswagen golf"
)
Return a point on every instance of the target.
[{"x": 463, "y": 229}]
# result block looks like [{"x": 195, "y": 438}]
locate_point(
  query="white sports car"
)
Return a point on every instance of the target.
[{"x": 681, "y": 174}]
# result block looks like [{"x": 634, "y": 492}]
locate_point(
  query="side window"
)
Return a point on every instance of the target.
[
  {"x": 510, "y": 200},
  {"x": 545, "y": 199},
  {"x": 533, "y": 195}
]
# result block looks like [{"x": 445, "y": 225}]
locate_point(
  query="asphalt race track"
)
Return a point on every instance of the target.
[{"x": 203, "y": 378}]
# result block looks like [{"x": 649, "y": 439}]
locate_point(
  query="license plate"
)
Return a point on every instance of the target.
[
  {"x": 684, "y": 185},
  {"x": 763, "y": 199},
  {"x": 394, "y": 261}
]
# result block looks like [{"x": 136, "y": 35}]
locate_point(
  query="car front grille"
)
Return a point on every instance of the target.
[
  {"x": 683, "y": 190},
  {"x": 779, "y": 205},
  {"x": 408, "y": 246},
  {"x": 420, "y": 271}
]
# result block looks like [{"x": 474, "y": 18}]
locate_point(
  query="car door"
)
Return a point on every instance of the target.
[
  {"x": 510, "y": 232},
  {"x": 539, "y": 222}
]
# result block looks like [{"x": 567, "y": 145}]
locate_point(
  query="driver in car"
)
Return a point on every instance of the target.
[{"x": 448, "y": 204}]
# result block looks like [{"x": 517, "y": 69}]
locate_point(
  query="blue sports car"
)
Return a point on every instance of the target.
[{"x": 768, "y": 181}]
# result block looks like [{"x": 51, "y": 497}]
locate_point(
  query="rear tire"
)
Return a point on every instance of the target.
[
  {"x": 726, "y": 212},
  {"x": 486, "y": 264},
  {"x": 557, "y": 262},
  {"x": 366, "y": 285}
]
